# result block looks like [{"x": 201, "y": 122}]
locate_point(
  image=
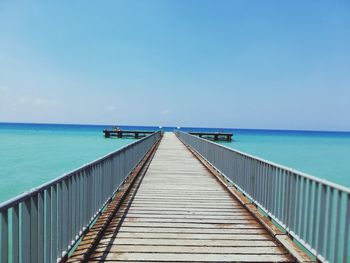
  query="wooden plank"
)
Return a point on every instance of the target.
[
  {"x": 189, "y": 242},
  {"x": 176, "y": 192},
  {"x": 179, "y": 196},
  {"x": 204, "y": 217},
  {"x": 194, "y": 195},
  {"x": 176, "y": 204},
  {"x": 192, "y": 230},
  {"x": 181, "y": 257},
  {"x": 179, "y": 200},
  {"x": 190, "y": 220},
  {"x": 163, "y": 205},
  {"x": 193, "y": 249},
  {"x": 188, "y": 201},
  {"x": 232, "y": 209},
  {"x": 180, "y": 189},
  {"x": 183, "y": 211},
  {"x": 205, "y": 205},
  {"x": 175, "y": 236},
  {"x": 190, "y": 225}
]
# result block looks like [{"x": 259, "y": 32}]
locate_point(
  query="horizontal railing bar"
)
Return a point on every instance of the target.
[{"x": 22, "y": 197}]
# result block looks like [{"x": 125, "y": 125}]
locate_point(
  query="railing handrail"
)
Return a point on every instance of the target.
[
  {"x": 288, "y": 169},
  {"x": 27, "y": 194},
  {"x": 47, "y": 222},
  {"x": 315, "y": 212}
]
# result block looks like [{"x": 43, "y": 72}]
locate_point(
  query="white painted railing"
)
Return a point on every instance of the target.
[
  {"x": 45, "y": 223},
  {"x": 313, "y": 211}
]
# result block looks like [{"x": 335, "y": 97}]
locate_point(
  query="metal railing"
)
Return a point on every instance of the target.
[
  {"x": 313, "y": 211},
  {"x": 45, "y": 223}
]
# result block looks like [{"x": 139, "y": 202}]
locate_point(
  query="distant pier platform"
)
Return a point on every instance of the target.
[
  {"x": 126, "y": 133},
  {"x": 214, "y": 136}
]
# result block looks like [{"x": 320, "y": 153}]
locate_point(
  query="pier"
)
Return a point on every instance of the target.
[
  {"x": 175, "y": 197},
  {"x": 178, "y": 211},
  {"x": 214, "y": 136},
  {"x": 126, "y": 133}
]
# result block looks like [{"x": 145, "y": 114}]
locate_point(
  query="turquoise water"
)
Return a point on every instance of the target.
[
  {"x": 322, "y": 154},
  {"x": 31, "y": 155}
]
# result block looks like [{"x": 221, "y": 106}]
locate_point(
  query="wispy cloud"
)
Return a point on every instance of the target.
[
  {"x": 3, "y": 89},
  {"x": 111, "y": 108},
  {"x": 38, "y": 101},
  {"x": 23, "y": 100},
  {"x": 165, "y": 112}
]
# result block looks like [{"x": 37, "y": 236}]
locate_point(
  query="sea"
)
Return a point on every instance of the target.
[{"x": 32, "y": 154}]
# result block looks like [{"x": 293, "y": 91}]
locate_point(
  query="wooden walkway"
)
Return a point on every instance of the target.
[{"x": 179, "y": 212}]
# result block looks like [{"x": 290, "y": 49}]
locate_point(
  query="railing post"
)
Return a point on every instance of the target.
[
  {"x": 48, "y": 241},
  {"x": 33, "y": 229},
  {"x": 4, "y": 236},
  {"x": 25, "y": 230},
  {"x": 346, "y": 251},
  {"x": 54, "y": 223},
  {"x": 41, "y": 224},
  {"x": 15, "y": 234}
]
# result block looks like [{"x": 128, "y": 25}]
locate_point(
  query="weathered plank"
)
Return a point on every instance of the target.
[
  {"x": 191, "y": 225},
  {"x": 191, "y": 257},
  {"x": 190, "y": 220},
  {"x": 192, "y": 230},
  {"x": 175, "y": 204},
  {"x": 204, "y": 211},
  {"x": 184, "y": 212},
  {"x": 194, "y": 236},
  {"x": 193, "y": 249},
  {"x": 191, "y": 216},
  {"x": 189, "y": 242}
]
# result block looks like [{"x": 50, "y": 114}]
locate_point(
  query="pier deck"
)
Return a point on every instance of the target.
[
  {"x": 126, "y": 133},
  {"x": 179, "y": 212},
  {"x": 214, "y": 136}
]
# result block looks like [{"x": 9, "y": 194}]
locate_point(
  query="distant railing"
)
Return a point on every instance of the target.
[
  {"x": 45, "y": 223},
  {"x": 313, "y": 211}
]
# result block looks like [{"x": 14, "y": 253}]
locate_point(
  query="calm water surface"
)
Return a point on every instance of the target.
[
  {"x": 322, "y": 154},
  {"x": 31, "y": 155}
]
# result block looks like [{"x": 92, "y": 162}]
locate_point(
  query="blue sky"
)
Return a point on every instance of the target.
[{"x": 245, "y": 64}]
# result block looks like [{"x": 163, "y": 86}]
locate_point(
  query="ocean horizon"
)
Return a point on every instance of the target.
[
  {"x": 171, "y": 128},
  {"x": 34, "y": 153}
]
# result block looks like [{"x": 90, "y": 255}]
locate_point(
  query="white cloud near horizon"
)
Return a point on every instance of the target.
[
  {"x": 165, "y": 112},
  {"x": 3, "y": 88},
  {"x": 111, "y": 108},
  {"x": 38, "y": 101}
]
